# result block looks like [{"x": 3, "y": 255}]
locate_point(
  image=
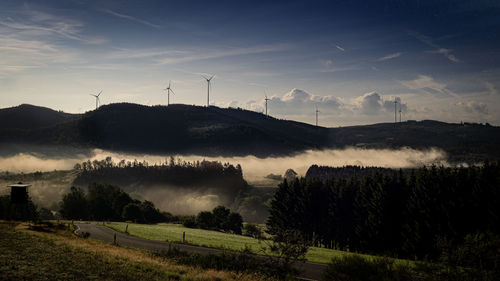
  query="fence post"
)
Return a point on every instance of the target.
[{"x": 183, "y": 237}]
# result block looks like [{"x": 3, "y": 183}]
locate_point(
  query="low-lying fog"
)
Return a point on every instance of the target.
[
  {"x": 254, "y": 169},
  {"x": 49, "y": 189}
]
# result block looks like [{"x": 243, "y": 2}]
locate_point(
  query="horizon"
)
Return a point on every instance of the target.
[
  {"x": 258, "y": 112},
  {"x": 351, "y": 59}
]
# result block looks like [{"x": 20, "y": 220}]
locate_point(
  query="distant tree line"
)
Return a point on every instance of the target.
[
  {"x": 421, "y": 213},
  {"x": 221, "y": 218},
  {"x": 224, "y": 177},
  {"x": 108, "y": 202},
  {"x": 172, "y": 171}
]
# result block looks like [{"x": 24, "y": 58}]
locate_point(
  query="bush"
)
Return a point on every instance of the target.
[
  {"x": 189, "y": 221},
  {"x": 253, "y": 231}
]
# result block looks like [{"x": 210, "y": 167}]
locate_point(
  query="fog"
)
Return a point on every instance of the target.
[
  {"x": 48, "y": 189},
  {"x": 177, "y": 201},
  {"x": 254, "y": 168}
]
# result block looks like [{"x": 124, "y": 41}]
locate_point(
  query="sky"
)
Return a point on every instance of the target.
[{"x": 348, "y": 59}]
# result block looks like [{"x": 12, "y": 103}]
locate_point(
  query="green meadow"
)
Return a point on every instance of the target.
[{"x": 215, "y": 239}]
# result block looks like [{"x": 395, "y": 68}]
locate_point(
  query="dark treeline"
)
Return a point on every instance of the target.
[
  {"x": 420, "y": 213},
  {"x": 225, "y": 177},
  {"x": 107, "y": 202}
]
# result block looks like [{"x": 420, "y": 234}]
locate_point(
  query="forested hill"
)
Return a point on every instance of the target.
[
  {"x": 184, "y": 129},
  {"x": 30, "y": 117}
]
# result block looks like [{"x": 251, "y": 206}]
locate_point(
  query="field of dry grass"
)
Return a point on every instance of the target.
[{"x": 56, "y": 254}]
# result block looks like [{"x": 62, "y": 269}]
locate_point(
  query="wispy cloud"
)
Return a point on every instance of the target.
[
  {"x": 438, "y": 50},
  {"x": 447, "y": 53},
  {"x": 203, "y": 55},
  {"x": 131, "y": 18},
  {"x": 428, "y": 85},
  {"x": 340, "y": 48},
  {"x": 390, "y": 56},
  {"x": 31, "y": 22}
]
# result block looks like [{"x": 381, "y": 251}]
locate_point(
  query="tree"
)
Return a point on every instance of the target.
[
  {"x": 132, "y": 212},
  {"x": 234, "y": 223},
  {"x": 74, "y": 205},
  {"x": 151, "y": 213},
  {"x": 205, "y": 220},
  {"x": 221, "y": 214}
]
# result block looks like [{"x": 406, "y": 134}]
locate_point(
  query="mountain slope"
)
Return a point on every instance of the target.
[
  {"x": 188, "y": 129},
  {"x": 29, "y": 117}
]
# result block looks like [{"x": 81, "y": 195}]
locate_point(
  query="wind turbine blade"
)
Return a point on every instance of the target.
[
  {"x": 99, "y": 93},
  {"x": 205, "y": 77},
  {"x": 212, "y": 77},
  {"x": 172, "y": 91},
  {"x": 169, "y": 83},
  {"x": 93, "y": 95}
]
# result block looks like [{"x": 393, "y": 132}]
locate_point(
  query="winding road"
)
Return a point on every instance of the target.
[{"x": 308, "y": 270}]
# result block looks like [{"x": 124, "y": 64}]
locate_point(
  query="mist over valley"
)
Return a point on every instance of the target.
[{"x": 41, "y": 141}]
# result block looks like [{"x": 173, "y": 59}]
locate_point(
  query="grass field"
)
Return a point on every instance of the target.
[
  {"x": 214, "y": 239},
  {"x": 55, "y": 254}
]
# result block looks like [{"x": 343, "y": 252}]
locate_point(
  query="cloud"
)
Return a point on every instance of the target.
[
  {"x": 390, "y": 56},
  {"x": 35, "y": 23},
  {"x": 131, "y": 18},
  {"x": 373, "y": 104},
  {"x": 447, "y": 53},
  {"x": 298, "y": 100},
  {"x": 428, "y": 85},
  {"x": 299, "y": 104},
  {"x": 195, "y": 55},
  {"x": 340, "y": 48},
  {"x": 473, "y": 107},
  {"x": 438, "y": 50}
]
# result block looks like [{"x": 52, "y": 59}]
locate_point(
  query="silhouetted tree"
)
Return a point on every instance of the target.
[{"x": 74, "y": 205}]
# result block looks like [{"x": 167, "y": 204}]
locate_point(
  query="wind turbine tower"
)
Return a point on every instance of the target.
[
  {"x": 317, "y": 111},
  {"x": 400, "y": 112},
  {"x": 266, "y": 99},
  {"x": 168, "y": 89},
  {"x": 96, "y": 99},
  {"x": 208, "y": 89},
  {"x": 395, "y": 110}
]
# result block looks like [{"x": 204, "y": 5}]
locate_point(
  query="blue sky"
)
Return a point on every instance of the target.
[{"x": 351, "y": 59}]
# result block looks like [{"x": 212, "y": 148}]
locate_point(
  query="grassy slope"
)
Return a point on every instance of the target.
[
  {"x": 214, "y": 239},
  {"x": 28, "y": 255}
]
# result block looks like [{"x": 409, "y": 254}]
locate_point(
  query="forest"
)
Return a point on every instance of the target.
[
  {"x": 428, "y": 213},
  {"x": 206, "y": 177}
]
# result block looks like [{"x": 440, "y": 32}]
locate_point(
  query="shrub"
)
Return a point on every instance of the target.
[
  {"x": 253, "y": 231},
  {"x": 189, "y": 221}
]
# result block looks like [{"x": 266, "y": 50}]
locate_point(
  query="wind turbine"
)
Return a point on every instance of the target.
[
  {"x": 266, "y": 99},
  {"x": 208, "y": 88},
  {"x": 395, "y": 110},
  {"x": 96, "y": 99},
  {"x": 168, "y": 89},
  {"x": 317, "y": 111},
  {"x": 400, "y": 112}
]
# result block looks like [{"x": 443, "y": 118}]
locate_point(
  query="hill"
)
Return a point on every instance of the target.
[
  {"x": 211, "y": 131},
  {"x": 30, "y": 117}
]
